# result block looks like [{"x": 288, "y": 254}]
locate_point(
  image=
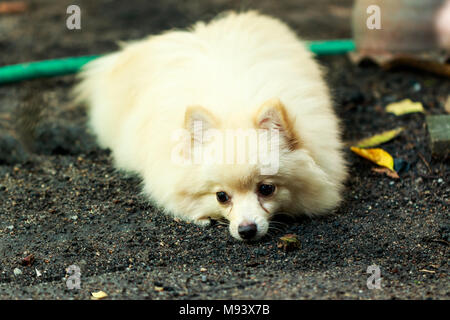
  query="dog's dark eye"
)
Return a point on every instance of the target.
[
  {"x": 266, "y": 189},
  {"x": 222, "y": 196}
]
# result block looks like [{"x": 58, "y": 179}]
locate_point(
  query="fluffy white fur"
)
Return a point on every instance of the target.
[{"x": 243, "y": 70}]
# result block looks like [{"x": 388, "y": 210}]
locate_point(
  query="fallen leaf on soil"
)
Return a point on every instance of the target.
[
  {"x": 289, "y": 242},
  {"x": 387, "y": 172},
  {"x": 377, "y": 155},
  {"x": 98, "y": 295},
  {"x": 404, "y": 107},
  {"x": 13, "y": 7},
  {"x": 28, "y": 260},
  {"x": 378, "y": 139}
]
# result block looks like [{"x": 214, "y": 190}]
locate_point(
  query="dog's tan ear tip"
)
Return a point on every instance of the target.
[
  {"x": 270, "y": 111},
  {"x": 200, "y": 114},
  {"x": 273, "y": 115}
]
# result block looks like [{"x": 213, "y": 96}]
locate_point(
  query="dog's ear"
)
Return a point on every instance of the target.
[
  {"x": 272, "y": 115},
  {"x": 198, "y": 119}
]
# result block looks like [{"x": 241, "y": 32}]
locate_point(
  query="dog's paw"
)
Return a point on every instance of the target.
[{"x": 203, "y": 222}]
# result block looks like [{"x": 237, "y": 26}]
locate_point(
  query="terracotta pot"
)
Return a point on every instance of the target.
[{"x": 407, "y": 26}]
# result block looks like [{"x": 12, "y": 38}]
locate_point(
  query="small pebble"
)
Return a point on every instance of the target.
[
  {"x": 203, "y": 278},
  {"x": 17, "y": 272}
]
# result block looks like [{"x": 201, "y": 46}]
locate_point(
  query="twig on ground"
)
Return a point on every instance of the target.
[{"x": 425, "y": 162}]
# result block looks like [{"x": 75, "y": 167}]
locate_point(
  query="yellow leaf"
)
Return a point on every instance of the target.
[
  {"x": 377, "y": 155},
  {"x": 404, "y": 107},
  {"x": 99, "y": 295},
  {"x": 379, "y": 138}
]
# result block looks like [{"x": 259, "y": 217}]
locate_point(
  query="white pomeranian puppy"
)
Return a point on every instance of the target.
[{"x": 172, "y": 106}]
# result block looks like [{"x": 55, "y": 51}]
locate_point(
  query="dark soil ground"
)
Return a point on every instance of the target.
[{"x": 62, "y": 201}]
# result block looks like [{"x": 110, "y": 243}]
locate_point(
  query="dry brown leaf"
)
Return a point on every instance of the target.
[
  {"x": 28, "y": 260},
  {"x": 386, "y": 171}
]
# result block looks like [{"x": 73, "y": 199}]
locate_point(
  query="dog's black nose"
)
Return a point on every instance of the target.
[{"x": 247, "y": 231}]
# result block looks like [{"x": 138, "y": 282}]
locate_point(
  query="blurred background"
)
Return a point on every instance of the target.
[{"x": 40, "y": 31}]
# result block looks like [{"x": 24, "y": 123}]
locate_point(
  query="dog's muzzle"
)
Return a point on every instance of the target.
[{"x": 247, "y": 231}]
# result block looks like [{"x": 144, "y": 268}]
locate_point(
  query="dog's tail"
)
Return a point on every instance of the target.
[{"x": 90, "y": 77}]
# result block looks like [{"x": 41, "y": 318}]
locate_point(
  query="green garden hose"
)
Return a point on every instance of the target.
[
  {"x": 329, "y": 47},
  {"x": 64, "y": 66}
]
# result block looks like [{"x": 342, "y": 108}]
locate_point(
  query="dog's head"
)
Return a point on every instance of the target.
[{"x": 248, "y": 175}]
